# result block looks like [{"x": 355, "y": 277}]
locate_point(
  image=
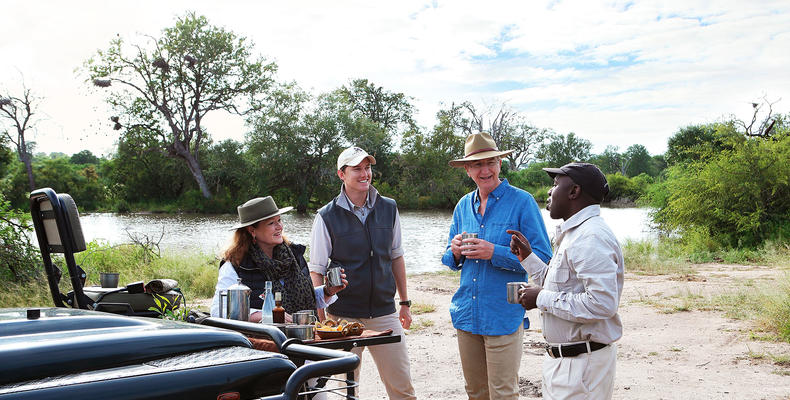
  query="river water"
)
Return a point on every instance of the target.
[{"x": 424, "y": 232}]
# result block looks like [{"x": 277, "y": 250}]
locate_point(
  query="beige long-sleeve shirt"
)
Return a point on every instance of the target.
[{"x": 582, "y": 283}]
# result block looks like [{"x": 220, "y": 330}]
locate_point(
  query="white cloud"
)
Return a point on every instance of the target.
[{"x": 613, "y": 72}]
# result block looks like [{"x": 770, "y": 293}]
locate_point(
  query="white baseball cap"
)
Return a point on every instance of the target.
[{"x": 353, "y": 156}]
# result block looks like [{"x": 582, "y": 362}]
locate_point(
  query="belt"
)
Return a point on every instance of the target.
[{"x": 573, "y": 350}]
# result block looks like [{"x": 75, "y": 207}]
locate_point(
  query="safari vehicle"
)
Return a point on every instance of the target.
[{"x": 73, "y": 351}]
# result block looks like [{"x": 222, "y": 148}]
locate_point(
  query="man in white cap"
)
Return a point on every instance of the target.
[
  {"x": 489, "y": 329},
  {"x": 360, "y": 231}
]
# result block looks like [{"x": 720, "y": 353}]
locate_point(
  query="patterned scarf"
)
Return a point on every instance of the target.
[{"x": 300, "y": 294}]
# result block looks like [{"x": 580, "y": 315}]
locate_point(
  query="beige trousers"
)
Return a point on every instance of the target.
[
  {"x": 490, "y": 364},
  {"x": 392, "y": 359},
  {"x": 587, "y": 376}
]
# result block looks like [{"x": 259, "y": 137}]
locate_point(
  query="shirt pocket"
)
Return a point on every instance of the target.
[{"x": 560, "y": 272}]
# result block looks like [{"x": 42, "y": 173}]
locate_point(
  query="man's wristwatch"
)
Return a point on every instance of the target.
[{"x": 406, "y": 303}]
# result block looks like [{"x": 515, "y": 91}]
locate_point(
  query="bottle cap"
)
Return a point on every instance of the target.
[{"x": 278, "y": 296}]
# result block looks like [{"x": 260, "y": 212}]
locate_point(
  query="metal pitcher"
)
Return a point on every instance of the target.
[{"x": 238, "y": 302}]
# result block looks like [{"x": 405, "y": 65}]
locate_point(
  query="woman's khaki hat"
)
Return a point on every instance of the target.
[
  {"x": 258, "y": 209},
  {"x": 479, "y": 146}
]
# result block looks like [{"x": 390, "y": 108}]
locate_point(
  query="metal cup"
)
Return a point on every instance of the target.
[
  {"x": 302, "y": 332},
  {"x": 304, "y": 318},
  {"x": 109, "y": 279},
  {"x": 333, "y": 276},
  {"x": 469, "y": 235},
  {"x": 512, "y": 291}
]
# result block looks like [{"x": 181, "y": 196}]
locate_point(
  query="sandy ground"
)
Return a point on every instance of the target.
[{"x": 677, "y": 355}]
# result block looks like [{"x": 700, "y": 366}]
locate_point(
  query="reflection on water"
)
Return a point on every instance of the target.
[{"x": 424, "y": 232}]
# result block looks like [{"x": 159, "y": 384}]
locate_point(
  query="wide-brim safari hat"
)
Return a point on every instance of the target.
[
  {"x": 258, "y": 209},
  {"x": 479, "y": 146}
]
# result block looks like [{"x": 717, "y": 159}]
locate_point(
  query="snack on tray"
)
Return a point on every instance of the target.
[{"x": 344, "y": 327}]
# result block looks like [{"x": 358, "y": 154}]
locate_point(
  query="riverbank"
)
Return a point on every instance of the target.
[{"x": 670, "y": 348}]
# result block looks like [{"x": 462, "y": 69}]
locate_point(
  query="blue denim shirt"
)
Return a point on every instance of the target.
[{"x": 480, "y": 305}]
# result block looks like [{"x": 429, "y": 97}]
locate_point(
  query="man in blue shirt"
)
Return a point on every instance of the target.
[{"x": 489, "y": 329}]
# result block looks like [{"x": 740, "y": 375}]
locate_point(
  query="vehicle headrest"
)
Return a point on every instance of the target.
[{"x": 73, "y": 221}]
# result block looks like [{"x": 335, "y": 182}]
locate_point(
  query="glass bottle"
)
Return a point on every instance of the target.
[
  {"x": 278, "y": 313},
  {"x": 268, "y": 304}
]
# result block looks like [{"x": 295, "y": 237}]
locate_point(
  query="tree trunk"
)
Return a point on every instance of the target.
[
  {"x": 197, "y": 173},
  {"x": 29, "y": 167}
]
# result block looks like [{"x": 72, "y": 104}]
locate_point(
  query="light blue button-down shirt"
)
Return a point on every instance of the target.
[{"x": 480, "y": 305}]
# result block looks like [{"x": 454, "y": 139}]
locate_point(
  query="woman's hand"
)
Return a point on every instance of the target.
[
  {"x": 255, "y": 317},
  {"x": 288, "y": 318},
  {"x": 475, "y": 248}
]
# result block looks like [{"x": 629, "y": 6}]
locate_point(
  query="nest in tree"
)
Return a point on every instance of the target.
[
  {"x": 160, "y": 63},
  {"x": 190, "y": 60},
  {"x": 102, "y": 82},
  {"x": 117, "y": 126},
  {"x": 114, "y": 118}
]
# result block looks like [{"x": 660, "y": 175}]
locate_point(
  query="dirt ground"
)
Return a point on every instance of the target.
[{"x": 675, "y": 355}]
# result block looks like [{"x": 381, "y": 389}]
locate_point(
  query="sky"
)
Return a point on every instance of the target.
[{"x": 615, "y": 73}]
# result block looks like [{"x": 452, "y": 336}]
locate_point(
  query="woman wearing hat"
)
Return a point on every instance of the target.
[
  {"x": 260, "y": 252},
  {"x": 489, "y": 329}
]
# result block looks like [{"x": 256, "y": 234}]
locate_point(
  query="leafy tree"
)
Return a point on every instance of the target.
[
  {"x": 18, "y": 114},
  {"x": 168, "y": 87},
  {"x": 296, "y": 141},
  {"x": 230, "y": 171},
  {"x": 698, "y": 142},
  {"x": 509, "y": 130},
  {"x": 7, "y": 157},
  {"x": 610, "y": 161},
  {"x": 19, "y": 259},
  {"x": 737, "y": 198},
  {"x": 84, "y": 157},
  {"x": 134, "y": 175},
  {"x": 392, "y": 111},
  {"x": 561, "y": 150},
  {"x": 427, "y": 181},
  {"x": 639, "y": 161},
  {"x": 376, "y": 120}
]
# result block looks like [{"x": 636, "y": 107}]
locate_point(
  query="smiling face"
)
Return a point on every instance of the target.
[
  {"x": 485, "y": 173},
  {"x": 267, "y": 233},
  {"x": 356, "y": 178}
]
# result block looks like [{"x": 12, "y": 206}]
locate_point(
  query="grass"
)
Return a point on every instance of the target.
[
  {"x": 649, "y": 258},
  {"x": 673, "y": 257},
  {"x": 420, "y": 324},
  {"x": 422, "y": 308},
  {"x": 767, "y": 305},
  {"x": 196, "y": 273}
]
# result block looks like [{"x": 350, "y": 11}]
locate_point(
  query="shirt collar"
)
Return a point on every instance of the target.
[
  {"x": 497, "y": 193},
  {"x": 577, "y": 219},
  {"x": 370, "y": 199}
]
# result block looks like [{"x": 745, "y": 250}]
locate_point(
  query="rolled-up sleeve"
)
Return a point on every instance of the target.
[
  {"x": 320, "y": 246},
  {"x": 397, "y": 241}
]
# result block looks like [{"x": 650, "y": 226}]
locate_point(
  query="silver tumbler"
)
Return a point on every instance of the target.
[
  {"x": 333, "y": 276},
  {"x": 512, "y": 291}
]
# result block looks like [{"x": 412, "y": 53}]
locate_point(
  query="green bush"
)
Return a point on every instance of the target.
[
  {"x": 531, "y": 178},
  {"x": 622, "y": 188},
  {"x": 21, "y": 261},
  {"x": 739, "y": 198}
]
